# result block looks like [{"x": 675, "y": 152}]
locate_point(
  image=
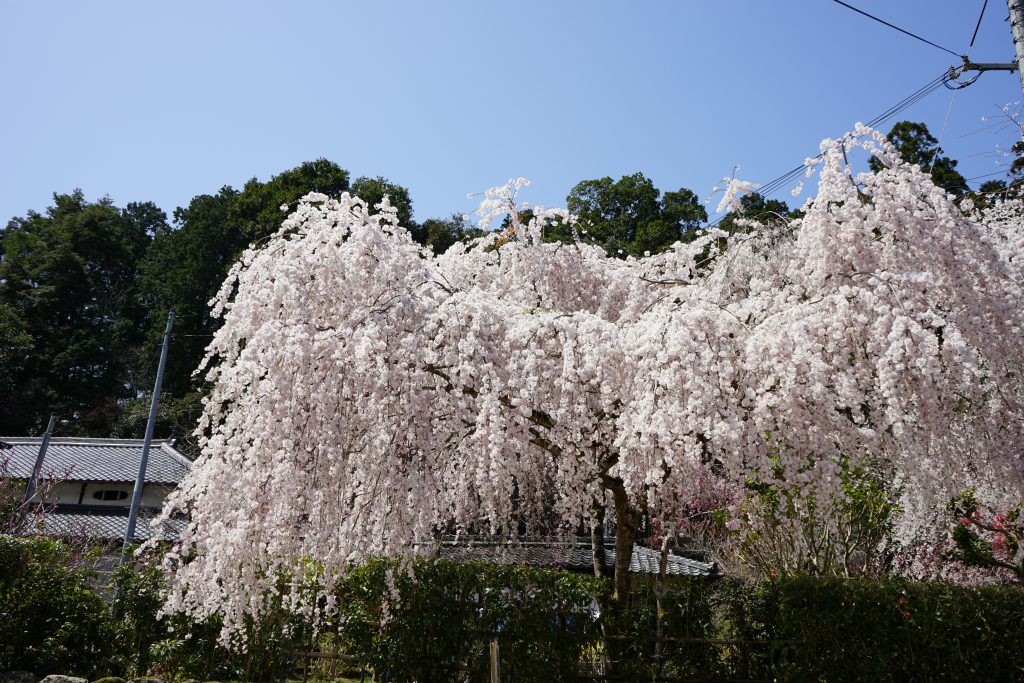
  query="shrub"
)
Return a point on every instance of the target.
[
  {"x": 888, "y": 630},
  {"x": 432, "y": 620},
  {"x": 436, "y": 620},
  {"x": 807, "y": 628},
  {"x": 175, "y": 646},
  {"x": 792, "y": 531},
  {"x": 51, "y": 621},
  {"x": 134, "y": 603}
]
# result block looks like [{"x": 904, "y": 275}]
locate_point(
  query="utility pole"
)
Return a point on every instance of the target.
[
  {"x": 140, "y": 481},
  {"x": 30, "y": 490},
  {"x": 1016, "y": 8},
  {"x": 1017, "y": 26}
]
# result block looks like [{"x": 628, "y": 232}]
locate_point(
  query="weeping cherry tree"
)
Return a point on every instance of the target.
[{"x": 370, "y": 396}]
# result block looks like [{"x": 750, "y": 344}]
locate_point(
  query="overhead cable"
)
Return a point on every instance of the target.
[
  {"x": 882, "y": 21},
  {"x": 910, "y": 100},
  {"x": 986, "y": 175},
  {"x": 978, "y": 25}
]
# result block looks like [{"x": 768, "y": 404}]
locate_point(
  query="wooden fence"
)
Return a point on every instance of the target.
[
  {"x": 318, "y": 665},
  {"x": 328, "y": 665},
  {"x": 599, "y": 670}
]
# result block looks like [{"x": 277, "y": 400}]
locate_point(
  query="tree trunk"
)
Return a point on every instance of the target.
[
  {"x": 615, "y": 618},
  {"x": 626, "y": 519},
  {"x": 597, "y": 539},
  {"x": 660, "y": 591}
]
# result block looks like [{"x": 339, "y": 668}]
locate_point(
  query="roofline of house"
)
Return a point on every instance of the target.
[
  {"x": 163, "y": 444},
  {"x": 99, "y": 510},
  {"x": 471, "y": 541}
]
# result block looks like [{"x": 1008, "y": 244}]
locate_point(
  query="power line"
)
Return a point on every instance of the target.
[
  {"x": 944, "y": 80},
  {"x": 910, "y": 100},
  {"x": 952, "y": 99},
  {"x": 986, "y": 175},
  {"x": 978, "y": 25},
  {"x": 902, "y": 105},
  {"x": 882, "y": 21}
]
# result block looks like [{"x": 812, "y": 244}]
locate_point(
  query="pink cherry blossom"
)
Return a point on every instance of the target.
[{"x": 369, "y": 395}]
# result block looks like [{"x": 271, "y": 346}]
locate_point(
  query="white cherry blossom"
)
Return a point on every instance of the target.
[{"x": 369, "y": 396}]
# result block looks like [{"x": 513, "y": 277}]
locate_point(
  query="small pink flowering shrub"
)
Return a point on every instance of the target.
[{"x": 988, "y": 539}]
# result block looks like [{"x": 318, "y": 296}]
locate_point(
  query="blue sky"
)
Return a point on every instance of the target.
[{"x": 163, "y": 101}]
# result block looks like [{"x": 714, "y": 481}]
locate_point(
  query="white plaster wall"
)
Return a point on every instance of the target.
[
  {"x": 153, "y": 495},
  {"x": 68, "y": 493},
  {"x": 64, "y": 493}
]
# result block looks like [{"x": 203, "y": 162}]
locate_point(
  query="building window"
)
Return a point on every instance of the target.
[{"x": 110, "y": 494}]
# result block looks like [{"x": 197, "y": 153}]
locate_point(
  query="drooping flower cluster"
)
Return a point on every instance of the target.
[
  {"x": 732, "y": 191},
  {"x": 369, "y": 395}
]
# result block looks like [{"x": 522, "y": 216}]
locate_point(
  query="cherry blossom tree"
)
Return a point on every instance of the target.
[{"x": 369, "y": 396}]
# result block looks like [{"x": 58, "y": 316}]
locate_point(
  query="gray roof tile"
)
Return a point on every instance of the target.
[
  {"x": 79, "y": 459},
  {"x": 569, "y": 555},
  {"x": 102, "y": 526}
]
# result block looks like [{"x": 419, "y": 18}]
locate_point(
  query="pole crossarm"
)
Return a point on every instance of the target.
[{"x": 972, "y": 66}]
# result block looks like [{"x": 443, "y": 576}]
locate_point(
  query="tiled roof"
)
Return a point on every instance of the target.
[
  {"x": 102, "y": 525},
  {"x": 79, "y": 459},
  {"x": 569, "y": 555}
]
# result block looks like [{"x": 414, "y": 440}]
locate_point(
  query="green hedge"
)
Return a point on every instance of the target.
[
  {"x": 830, "y": 630},
  {"x": 694, "y": 611},
  {"x": 51, "y": 620},
  {"x": 434, "y": 620},
  {"x": 176, "y": 647},
  {"x": 422, "y": 621},
  {"x": 862, "y": 629}
]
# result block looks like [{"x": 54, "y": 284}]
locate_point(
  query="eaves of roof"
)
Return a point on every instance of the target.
[
  {"x": 101, "y": 460},
  {"x": 576, "y": 555},
  {"x": 102, "y": 526}
]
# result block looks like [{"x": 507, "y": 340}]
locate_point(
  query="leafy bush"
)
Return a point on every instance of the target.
[
  {"x": 435, "y": 619},
  {"x": 986, "y": 538},
  {"x": 178, "y": 647},
  {"x": 51, "y": 621},
  {"x": 134, "y": 603},
  {"x": 808, "y": 628},
  {"x": 792, "y": 531},
  {"x": 858, "y": 629}
]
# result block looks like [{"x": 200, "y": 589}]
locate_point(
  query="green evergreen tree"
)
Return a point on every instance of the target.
[
  {"x": 186, "y": 265},
  {"x": 630, "y": 216},
  {"x": 917, "y": 146},
  {"x": 68, "y": 284}
]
